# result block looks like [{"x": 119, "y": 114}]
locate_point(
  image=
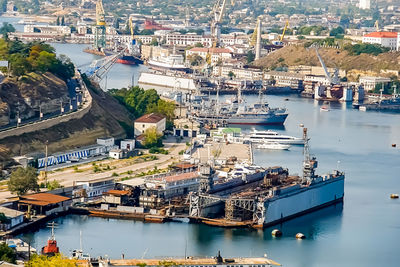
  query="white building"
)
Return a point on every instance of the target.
[
  {"x": 239, "y": 73},
  {"x": 15, "y": 218},
  {"x": 92, "y": 187},
  {"x": 216, "y": 54},
  {"x": 116, "y": 154},
  {"x": 47, "y": 29},
  {"x": 370, "y": 82},
  {"x": 148, "y": 121},
  {"x": 128, "y": 144},
  {"x": 106, "y": 141},
  {"x": 385, "y": 39},
  {"x": 365, "y": 4}
]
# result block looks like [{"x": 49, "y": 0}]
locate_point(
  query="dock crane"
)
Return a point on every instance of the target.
[
  {"x": 218, "y": 12},
  {"x": 100, "y": 29},
  {"x": 333, "y": 79},
  {"x": 280, "y": 42},
  {"x": 99, "y": 68},
  {"x": 253, "y": 38}
]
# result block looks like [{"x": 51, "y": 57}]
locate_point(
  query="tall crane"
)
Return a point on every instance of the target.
[
  {"x": 333, "y": 79},
  {"x": 218, "y": 12},
  {"x": 280, "y": 42},
  {"x": 100, "y": 29},
  {"x": 253, "y": 38}
]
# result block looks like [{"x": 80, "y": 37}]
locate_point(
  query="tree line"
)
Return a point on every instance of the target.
[{"x": 35, "y": 57}]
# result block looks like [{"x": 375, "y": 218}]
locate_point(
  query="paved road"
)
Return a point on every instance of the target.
[{"x": 68, "y": 176}]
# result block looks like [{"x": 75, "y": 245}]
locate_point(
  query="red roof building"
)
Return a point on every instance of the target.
[
  {"x": 385, "y": 39},
  {"x": 151, "y": 120}
]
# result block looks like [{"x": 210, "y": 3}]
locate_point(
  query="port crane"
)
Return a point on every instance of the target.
[
  {"x": 99, "y": 68},
  {"x": 100, "y": 29},
  {"x": 218, "y": 12},
  {"x": 253, "y": 38},
  {"x": 333, "y": 79},
  {"x": 280, "y": 42}
]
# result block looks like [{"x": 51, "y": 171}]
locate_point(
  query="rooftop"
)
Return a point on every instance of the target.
[
  {"x": 132, "y": 182},
  {"x": 42, "y": 199},
  {"x": 215, "y": 50},
  {"x": 150, "y": 118},
  {"x": 382, "y": 34},
  {"x": 10, "y": 213},
  {"x": 176, "y": 177},
  {"x": 117, "y": 192}
]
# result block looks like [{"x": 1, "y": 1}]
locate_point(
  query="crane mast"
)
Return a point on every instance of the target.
[
  {"x": 100, "y": 29},
  {"x": 218, "y": 11}
]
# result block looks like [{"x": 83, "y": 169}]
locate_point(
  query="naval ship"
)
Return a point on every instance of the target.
[{"x": 238, "y": 113}]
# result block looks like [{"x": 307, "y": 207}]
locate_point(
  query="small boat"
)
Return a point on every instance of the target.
[
  {"x": 324, "y": 108},
  {"x": 362, "y": 108},
  {"x": 51, "y": 249},
  {"x": 273, "y": 146},
  {"x": 394, "y": 196}
]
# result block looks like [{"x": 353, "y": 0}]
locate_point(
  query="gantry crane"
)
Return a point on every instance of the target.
[{"x": 100, "y": 29}]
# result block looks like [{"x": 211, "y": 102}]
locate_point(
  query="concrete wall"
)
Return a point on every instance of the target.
[{"x": 44, "y": 124}]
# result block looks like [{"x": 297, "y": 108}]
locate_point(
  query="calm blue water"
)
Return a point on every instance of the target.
[{"x": 364, "y": 231}]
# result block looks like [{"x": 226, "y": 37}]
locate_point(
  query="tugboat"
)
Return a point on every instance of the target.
[{"x": 51, "y": 249}]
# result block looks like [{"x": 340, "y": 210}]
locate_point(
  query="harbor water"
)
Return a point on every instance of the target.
[{"x": 362, "y": 232}]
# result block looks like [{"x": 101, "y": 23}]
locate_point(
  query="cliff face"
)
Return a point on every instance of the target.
[
  {"x": 28, "y": 92},
  {"x": 104, "y": 119}
]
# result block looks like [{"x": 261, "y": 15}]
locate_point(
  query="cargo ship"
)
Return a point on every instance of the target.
[{"x": 281, "y": 197}]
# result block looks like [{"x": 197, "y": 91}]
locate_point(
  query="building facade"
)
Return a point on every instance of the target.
[
  {"x": 148, "y": 121},
  {"x": 385, "y": 39}
]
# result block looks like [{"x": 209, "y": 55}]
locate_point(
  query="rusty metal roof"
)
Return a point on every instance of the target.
[{"x": 42, "y": 199}]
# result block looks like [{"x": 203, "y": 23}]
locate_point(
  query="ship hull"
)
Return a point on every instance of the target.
[
  {"x": 293, "y": 204},
  {"x": 272, "y": 119},
  {"x": 129, "y": 60}
]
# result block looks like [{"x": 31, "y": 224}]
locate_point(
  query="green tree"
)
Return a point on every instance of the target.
[
  {"x": 58, "y": 21},
  {"x": 7, "y": 254},
  {"x": 63, "y": 21},
  {"x": 250, "y": 56},
  {"x": 231, "y": 75},
  {"x": 53, "y": 185},
  {"x": 5, "y": 29},
  {"x": 154, "y": 42},
  {"x": 195, "y": 60},
  {"x": 152, "y": 138},
  {"x": 23, "y": 180},
  {"x": 19, "y": 64},
  {"x": 336, "y": 31},
  {"x": 198, "y": 45}
]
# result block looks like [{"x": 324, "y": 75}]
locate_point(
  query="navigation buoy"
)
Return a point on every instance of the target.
[
  {"x": 300, "y": 236},
  {"x": 394, "y": 196},
  {"x": 276, "y": 233}
]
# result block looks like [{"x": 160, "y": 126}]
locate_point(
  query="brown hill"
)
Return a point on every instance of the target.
[
  {"x": 361, "y": 64},
  {"x": 104, "y": 119}
]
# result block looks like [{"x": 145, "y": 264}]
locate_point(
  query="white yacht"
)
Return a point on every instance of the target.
[
  {"x": 271, "y": 136},
  {"x": 171, "y": 62},
  {"x": 273, "y": 146}
]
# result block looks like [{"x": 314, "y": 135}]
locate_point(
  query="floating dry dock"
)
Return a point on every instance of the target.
[{"x": 196, "y": 262}]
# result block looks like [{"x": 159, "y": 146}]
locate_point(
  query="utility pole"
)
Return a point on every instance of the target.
[{"x": 45, "y": 164}]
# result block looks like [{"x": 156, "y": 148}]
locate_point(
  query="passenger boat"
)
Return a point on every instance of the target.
[
  {"x": 273, "y": 146},
  {"x": 268, "y": 136}
]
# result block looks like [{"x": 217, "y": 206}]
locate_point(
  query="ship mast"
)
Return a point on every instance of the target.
[{"x": 309, "y": 163}]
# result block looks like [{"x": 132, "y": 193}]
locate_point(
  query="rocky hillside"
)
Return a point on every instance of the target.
[
  {"x": 104, "y": 119},
  {"x": 363, "y": 64},
  {"x": 29, "y": 91}
]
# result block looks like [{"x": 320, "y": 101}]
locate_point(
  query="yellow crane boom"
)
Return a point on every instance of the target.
[
  {"x": 284, "y": 31},
  {"x": 100, "y": 14}
]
